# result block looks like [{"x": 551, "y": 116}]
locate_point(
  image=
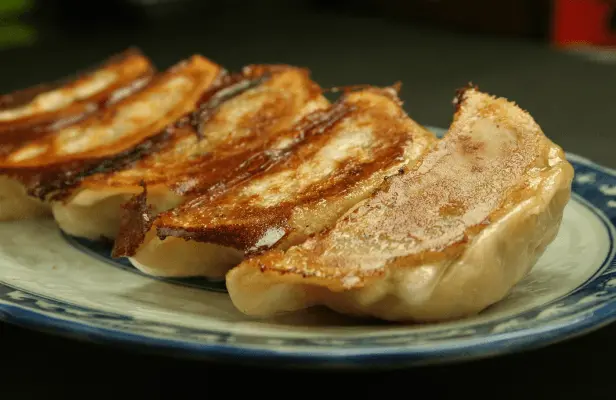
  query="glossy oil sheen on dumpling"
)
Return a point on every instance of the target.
[
  {"x": 322, "y": 167},
  {"x": 441, "y": 241}
]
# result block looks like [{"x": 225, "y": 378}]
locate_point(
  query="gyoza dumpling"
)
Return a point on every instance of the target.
[
  {"x": 443, "y": 239},
  {"x": 314, "y": 173}
]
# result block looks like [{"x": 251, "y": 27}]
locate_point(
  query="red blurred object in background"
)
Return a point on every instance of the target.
[{"x": 584, "y": 22}]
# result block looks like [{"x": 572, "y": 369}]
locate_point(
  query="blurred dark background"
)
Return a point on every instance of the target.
[
  {"x": 527, "y": 18},
  {"x": 554, "y": 57},
  {"x": 285, "y": 28},
  {"x": 538, "y": 20},
  {"x": 520, "y": 18}
]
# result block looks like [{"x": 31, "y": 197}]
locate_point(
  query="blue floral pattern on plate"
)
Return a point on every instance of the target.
[{"x": 589, "y": 306}]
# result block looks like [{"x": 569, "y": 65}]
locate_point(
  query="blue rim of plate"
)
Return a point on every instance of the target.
[{"x": 590, "y": 306}]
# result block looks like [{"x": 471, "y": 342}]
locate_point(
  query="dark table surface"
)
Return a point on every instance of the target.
[{"x": 572, "y": 98}]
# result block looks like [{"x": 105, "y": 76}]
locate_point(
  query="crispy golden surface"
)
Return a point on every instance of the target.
[
  {"x": 232, "y": 123},
  {"x": 329, "y": 161},
  {"x": 213, "y": 145},
  {"x": 28, "y": 113},
  {"x": 119, "y": 133},
  {"x": 444, "y": 239}
]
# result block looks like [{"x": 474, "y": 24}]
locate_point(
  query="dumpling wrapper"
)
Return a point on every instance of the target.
[{"x": 441, "y": 241}]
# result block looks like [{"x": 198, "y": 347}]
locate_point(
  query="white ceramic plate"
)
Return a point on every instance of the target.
[{"x": 64, "y": 285}]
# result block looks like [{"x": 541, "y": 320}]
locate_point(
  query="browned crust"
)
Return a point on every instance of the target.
[
  {"x": 331, "y": 275},
  {"x": 56, "y": 180},
  {"x": 310, "y": 266},
  {"x": 315, "y": 123},
  {"x": 237, "y": 236},
  {"x": 230, "y": 163},
  {"x": 136, "y": 220},
  {"x": 238, "y": 166},
  {"x": 15, "y": 132},
  {"x": 62, "y": 180},
  {"x": 22, "y": 97},
  {"x": 257, "y": 162},
  {"x": 228, "y": 87},
  {"x": 215, "y": 172},
  {"x": 255, "y": 220},
  {"x": 241, "y": 236}
]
